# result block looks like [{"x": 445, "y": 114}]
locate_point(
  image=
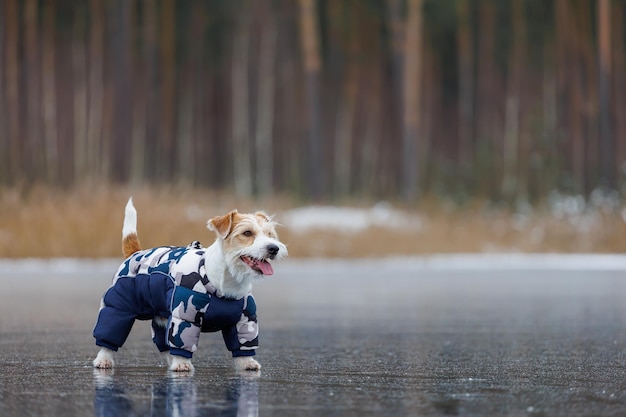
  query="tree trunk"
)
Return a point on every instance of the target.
[
  {"x": 4, "y": 132},
  {"x": 346, "y": 113},
  {"x": 81, "y": 146},
  {"x": 548, "y": 179},
  {"x": 607, "y": 160},
  {"x": 33, "y": 163},
  {"x": 290, "y": 127},
  {"x": 569, "y": 96},
  {"x": 585, "y": 99},
  {"x": 513, "y": 116},
  {"x": 97, "y": 154},
  {"x": 122, "y": 109},
  {"x": 142, "y": 82},
  {"x": 344, "y": 132},
  {"x": 372, "y": 137},
  {"x": 310, "y": 49},
  {"x": 619, "y": 98},
  {"x": 242, "y": 172},
  {"x": 412, "y": 158},
  {"x": 397, "y": 29},
  {"x": 186, "y": 160},
  {"x": 265, "y": 103},
  {"x": 148, "y": 114},
  {"x": 168, "y": 88},
  {"x": 466, "y": 72},
  {"x": 12, "y": 82},
  {"x": 487, "y": 99},
  {"x": 49, "y": 102}
]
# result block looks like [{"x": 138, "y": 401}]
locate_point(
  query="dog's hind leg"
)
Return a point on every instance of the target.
[
  {"x": 159, "y": 337},
  {"x": 159, "y": 334}
]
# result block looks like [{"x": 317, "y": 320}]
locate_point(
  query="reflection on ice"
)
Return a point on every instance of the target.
[
  {"x": 110, "y": 399},
  {"x": 174, "y": 395}
]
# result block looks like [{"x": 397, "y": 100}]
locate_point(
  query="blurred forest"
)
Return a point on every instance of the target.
[{"x": 321, "y": 99}]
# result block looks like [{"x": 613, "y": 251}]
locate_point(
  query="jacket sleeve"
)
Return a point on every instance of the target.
[
  {"x": 243, "y": 338},
  {"x": 185, "y": 323}
]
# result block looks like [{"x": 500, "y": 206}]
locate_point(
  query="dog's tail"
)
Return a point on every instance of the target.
[{"x": 130, "y": 241}]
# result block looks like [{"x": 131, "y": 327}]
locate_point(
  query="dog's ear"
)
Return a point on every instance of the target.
[
  {"x": 222, "y": 225},
  {"x": 263, "y": 216}
]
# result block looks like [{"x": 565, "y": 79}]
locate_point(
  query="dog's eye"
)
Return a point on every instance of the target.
[{"x": 247, "y": 233}]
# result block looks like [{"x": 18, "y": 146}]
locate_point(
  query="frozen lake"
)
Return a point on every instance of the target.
[{"x": 463, "y": 335}]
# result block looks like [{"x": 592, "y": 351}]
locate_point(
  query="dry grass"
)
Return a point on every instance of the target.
[{"x": 87, "y": 221}]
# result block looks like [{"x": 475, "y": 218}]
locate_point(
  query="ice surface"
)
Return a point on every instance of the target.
[{"x": 433, "y": 336}]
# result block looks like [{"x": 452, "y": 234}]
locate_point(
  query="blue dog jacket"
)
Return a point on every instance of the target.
[{"x": 171, "y": 282}]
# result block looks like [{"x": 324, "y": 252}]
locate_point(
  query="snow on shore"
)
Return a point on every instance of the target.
[{"x": 349, "y": 219}]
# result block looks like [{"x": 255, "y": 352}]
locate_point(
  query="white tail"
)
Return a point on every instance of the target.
[
  {"x": 130, "y": 241},
  {"x": 130, "y": 219}
]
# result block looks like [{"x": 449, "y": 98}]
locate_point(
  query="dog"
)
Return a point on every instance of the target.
[{"x": 189, "y": 290}]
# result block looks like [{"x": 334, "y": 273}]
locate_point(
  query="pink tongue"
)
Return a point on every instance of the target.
[{"x": 265, "y": 267}]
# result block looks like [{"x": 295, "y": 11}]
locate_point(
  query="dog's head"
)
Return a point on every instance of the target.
[{"x": 249, "y": 243}]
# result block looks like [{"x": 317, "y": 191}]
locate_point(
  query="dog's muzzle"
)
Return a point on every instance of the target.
[{"x": 262, "y": 265}]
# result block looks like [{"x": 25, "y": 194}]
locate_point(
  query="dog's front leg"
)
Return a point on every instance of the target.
[
  {"x": 180, "y": 364},
  {"x": 246, "y": 363},
  {"x": 104, "y": 359}
]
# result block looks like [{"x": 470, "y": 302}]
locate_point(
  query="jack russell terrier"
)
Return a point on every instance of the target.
[{"x": 189, "y": 290}]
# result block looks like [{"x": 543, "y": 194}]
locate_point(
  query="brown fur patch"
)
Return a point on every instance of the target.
[
  {"x": 243, "y": 231},
  {"x": 130, "y": 245},
  {"x": 223, "y": 224}
]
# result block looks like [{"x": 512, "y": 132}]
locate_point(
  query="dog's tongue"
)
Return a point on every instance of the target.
[{"x": 265, "y": 267}]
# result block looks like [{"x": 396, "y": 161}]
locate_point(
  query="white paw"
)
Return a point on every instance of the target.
[
  {"x": 246, "y": 363},
  {"x": 104, "y": 359},
  {"x": 180, "y": 364}
]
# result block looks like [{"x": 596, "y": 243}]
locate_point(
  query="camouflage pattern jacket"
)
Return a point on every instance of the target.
[{"x": 171, "y": 281}]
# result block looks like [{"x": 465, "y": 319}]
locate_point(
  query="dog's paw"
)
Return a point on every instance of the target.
[
  {"x": 246, "y": 363},
  {"x": 180, "y": 364},
  {"x": 104, "y": 359}
]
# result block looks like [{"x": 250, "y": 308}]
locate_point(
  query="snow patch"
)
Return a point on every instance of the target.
[{"x": 349, "y": 219}]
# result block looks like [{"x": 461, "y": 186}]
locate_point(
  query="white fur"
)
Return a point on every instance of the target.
[
  {"x": 104, "y": 360},
  {"x": 218, "y": 272},
  {"x": 130, "y": 219},
  {"x": 180, "y": 364},
  {"x": 247, "y": 363}
]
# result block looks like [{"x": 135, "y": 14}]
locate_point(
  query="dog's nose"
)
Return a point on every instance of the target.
[{"x": 272, "y": 249}]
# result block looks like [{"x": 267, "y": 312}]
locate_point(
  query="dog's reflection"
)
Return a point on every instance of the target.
[
  {"x": 110, "y": 398},
  {"x": 175, "y": 395}
]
